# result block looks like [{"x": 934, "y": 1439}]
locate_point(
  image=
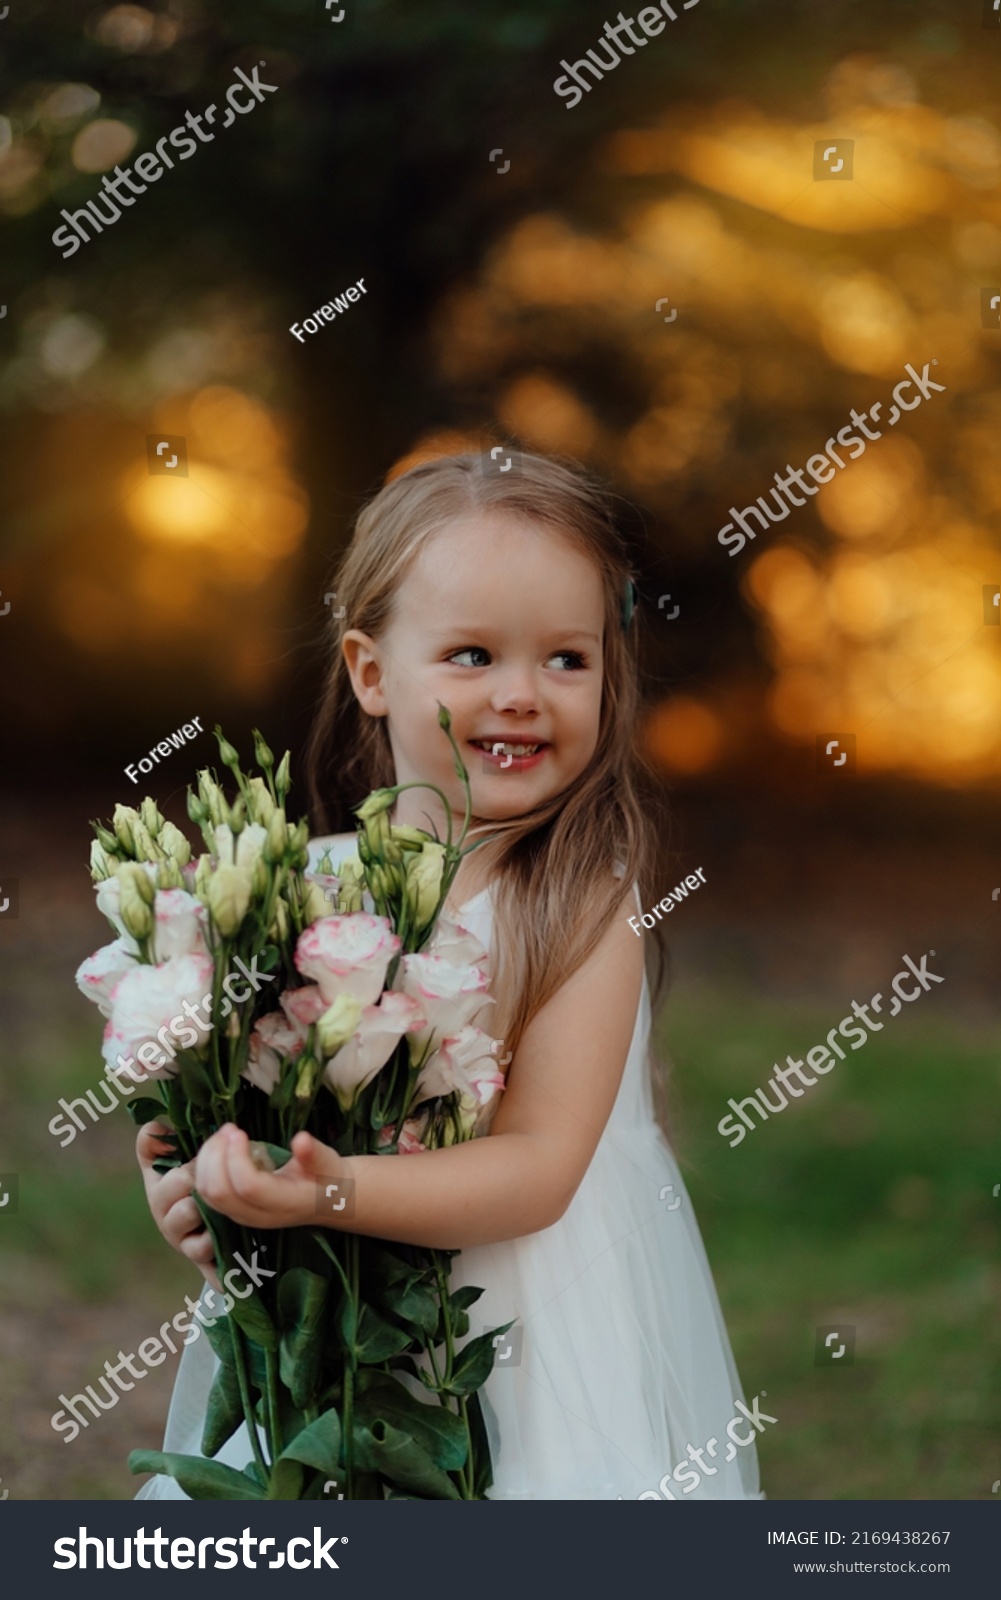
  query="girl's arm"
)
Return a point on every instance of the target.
[{"x": 560, "y": 1091}]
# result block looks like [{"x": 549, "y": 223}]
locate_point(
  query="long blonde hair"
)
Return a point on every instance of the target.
[{"x": 561, "y": 869}]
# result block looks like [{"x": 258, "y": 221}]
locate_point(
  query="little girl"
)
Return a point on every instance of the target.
[{"x": 507, "y": 598}]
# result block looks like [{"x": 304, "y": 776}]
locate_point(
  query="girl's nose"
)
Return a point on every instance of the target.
[{"x": 516, "y": 691}]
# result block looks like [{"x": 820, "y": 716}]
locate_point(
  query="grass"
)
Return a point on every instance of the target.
[{"x": 867, "y": 1202}]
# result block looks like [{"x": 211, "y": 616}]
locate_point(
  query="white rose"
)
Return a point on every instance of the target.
[
  {"x": 380, "y": 1029},
  {"x": 450, "y": 996},
  {"x": 456, "y": 943},
  {"x": 180, "y": 922},
  {"x": 97, "y": 976},
  {"x": 464, "y": 1065},
  {"x": 273, "y": 1037},
  {"x": 150, "y": 1000},
  {"x": 348, "y": 955},
  {"x": 109, "y": 903}
]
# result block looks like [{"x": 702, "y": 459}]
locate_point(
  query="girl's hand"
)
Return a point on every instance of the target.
[
  {"x": 228, "y": 1181},
  {"x": 169, "y": 1198}
]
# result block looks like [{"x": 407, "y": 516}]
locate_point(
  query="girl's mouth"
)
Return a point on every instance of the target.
[{"x": 516, "y": 756}]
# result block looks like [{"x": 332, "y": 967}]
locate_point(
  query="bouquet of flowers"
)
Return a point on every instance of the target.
[{"x": 342, "y": 1361}]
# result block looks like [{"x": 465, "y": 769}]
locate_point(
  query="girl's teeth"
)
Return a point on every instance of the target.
[{"x": 508, "y": 749}]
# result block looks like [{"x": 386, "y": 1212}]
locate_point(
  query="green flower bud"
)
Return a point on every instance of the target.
[
  {"x": 349, "y": 899},
  {"x": 136, "y": 901},
  {"x": 173, "y": 841},
  {"x": 283, "y": 782},
  {"x": 149, "y": 814},
  {"x": 168, "y": 875},
  {"x": 261, "y": 877},
  {"x": 227, "y": 755},
  {"x": 203, "y": 875},
  {"x": 146, "y": 847},
  {"x": 140, "y": 882},
  {"x": 262, "y": 807},
  {"x": 109, "y": 844},
  {"x": 124, "y": 822},
  {"x": 100, "y": 866},
  {"x": 309, "y": 1072},
  {"x": 278, "y": 931},
  {"x": 276, "y": 842},
  {"x": 338, "y": 1024},
  {"x": 423, "y": 886},
  {"x": 262, "y": 755},
  {"x": 409, "y": 838},
  {"x": 197, "y": 810},
  {"x": 444, "y": 718},
  {"x": 315, "y": 904},
  {"x": 229, "y": 892},
  {"x": 212, "y": 798},
  {"x": 236, "y": 814}
]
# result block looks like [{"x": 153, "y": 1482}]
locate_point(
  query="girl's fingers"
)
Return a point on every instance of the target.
[
  {"x": 198, "y": 1248},
  {"x": 182, "y": 1219}
]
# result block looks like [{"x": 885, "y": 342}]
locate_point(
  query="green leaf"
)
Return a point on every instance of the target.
[
  {"x": 255, "y": 1322},
  {"x": 418, "y": 1303},
  {"x": 146, "y": 1110},
  {"x": 400, "y": 1458},
  {"x": 286, "y": 1480},
  {"x": 195, "y": 1080},
  {"x": 200, "y": 1480},
  {"x": 319, "y": 1445},
  {"x": 382, "y": 1398},
  {"x": 225, "y": 1410},
  {"x": 377, "y": 1339},
  {"x": 475, "y": 1361},
  {"x": 302, "y": 1299},
  {"x": 269, "y": 958},
  {"x": 480, "y": 1448}
]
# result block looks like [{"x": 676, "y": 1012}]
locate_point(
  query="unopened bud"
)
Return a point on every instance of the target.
[
  {"x": 124, "y": 822},
  {"x": 227, "y": 755},
  {"x": 262, "y": 753},
  {"x": 173, "y": 841}
]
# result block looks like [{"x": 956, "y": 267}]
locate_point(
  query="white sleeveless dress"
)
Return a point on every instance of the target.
[{"x": 622, "y": 1360}]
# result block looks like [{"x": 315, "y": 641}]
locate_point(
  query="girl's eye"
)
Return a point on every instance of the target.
[
  {"x": 470, "y": 650},
  {"x": 574, "y": 657}
]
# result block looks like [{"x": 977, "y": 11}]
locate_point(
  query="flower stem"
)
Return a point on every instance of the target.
[{"x": 248, "y": 1410}]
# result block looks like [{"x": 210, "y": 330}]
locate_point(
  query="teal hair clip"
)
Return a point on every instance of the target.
[{"x": 630, "y": 600}]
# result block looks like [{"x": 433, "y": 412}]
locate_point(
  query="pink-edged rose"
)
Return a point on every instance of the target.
[
  {"x": 97, "y": 976},
  {"x": 380, "y": 1029},
  {"x": 409, "y": 1142},
  {"x": 348, "y": 955},
  {"x": 456, "y": 943},
  {"x": 273, "y": 1038},
  {"x": 180, "y": 924},
  {"x": 451, "y": 997},
  {"x": 149, "y": 1000},
  {"x": 463, "y": 1065},
  {"x": 303, "y": 1007}
]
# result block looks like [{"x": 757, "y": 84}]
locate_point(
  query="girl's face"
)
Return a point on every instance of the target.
[{"x": 501, "y": 620}]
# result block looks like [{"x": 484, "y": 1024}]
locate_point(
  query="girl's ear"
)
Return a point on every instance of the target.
[{"x": 361, "y": 657}]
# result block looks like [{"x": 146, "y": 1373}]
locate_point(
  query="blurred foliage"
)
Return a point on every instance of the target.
[{"x": 523, "y": 303}]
